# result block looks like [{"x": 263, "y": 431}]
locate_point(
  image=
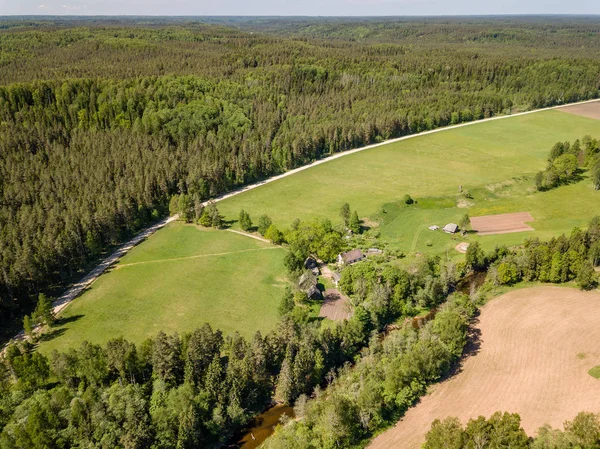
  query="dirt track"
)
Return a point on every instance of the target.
[
  {"x": 591, "y": 110},
  {"x": 502, "y": 223},
  {"x": 534, "y": 350}
]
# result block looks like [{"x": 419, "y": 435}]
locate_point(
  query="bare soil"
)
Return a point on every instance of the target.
[
  {"x": 502, "y": 223},
  {"x": 462, "y": 247},
  {"x": 591, "y": 110},
  {"x": 524, "y": 357},
  {"x": 335, "y": 306}
]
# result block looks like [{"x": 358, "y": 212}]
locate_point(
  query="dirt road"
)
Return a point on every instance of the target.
[
  {"x": 76, "y": 289},
  {"x": 368, "y": 147},
  {"x": 532, "y": 356}
]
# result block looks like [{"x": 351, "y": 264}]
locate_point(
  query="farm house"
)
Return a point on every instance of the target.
[{"x": 350, "y": 257}]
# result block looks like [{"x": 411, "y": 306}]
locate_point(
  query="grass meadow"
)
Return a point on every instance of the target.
[
  {"x": 555, "y": 212},
  {"x": 180, "y": 278},
  {"x": 495, "y": 161}
]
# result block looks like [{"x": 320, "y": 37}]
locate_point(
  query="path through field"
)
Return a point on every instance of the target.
[
  {"x": 197, "y": 256},
  {"x": 252, "y": 236},
  {"x": 534, "y": 350}
]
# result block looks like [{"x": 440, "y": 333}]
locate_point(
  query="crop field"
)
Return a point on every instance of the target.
[
  {"x": 494, "y": 161},
  {"x": 591, "y": 110},
  {"x": 178, "y": 279},
  {"x": 531, "y": 355}
]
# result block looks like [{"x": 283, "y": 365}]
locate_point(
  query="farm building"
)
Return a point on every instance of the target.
[
  {"x": 350, "y": 257},
  {"x": 451, "y": 228},
  {"x": 314, "y": 293},
  {"x": 310, "y": 263},
  {"x": 307, "y": 280}
]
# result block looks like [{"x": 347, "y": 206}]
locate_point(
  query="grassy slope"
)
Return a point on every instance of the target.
[
  {"x": 430, "y": 165},
  {"x": 434, "y": 166},
  {"x": 237, "y": 291}
]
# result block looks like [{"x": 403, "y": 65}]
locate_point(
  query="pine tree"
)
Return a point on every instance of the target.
[
  {"x": 587, "y": 278},
  {"x": 264, "y": 221},
  {"x": 345, "y": 214},
  {"x": 285, "y": 389},
  {"x": 28, "y": 326},
  {"x": 44, "y": 312},
  {"x": 354, "y": 224},
  {"x": 245, "y": 221}
]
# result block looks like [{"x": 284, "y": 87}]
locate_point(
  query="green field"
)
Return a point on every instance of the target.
[
  {"x": 555, "y": 212},
  {"x": 595, "y": 372},
  {"x": 180, "y": 278},
  {"x": 494, "y": 160}
]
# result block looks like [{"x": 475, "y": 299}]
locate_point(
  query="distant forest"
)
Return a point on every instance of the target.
[{"x": 102, "y": 121}]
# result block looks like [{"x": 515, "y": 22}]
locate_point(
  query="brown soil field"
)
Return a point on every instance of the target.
[
  {"x": 336, "y": 306},
  {"x": 591, "y": 110},
  {"x": 502, "y": 223},
  {"x": 530, "y": 353}
]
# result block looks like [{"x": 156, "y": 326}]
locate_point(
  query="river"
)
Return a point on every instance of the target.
[{"x": 263, "y": 426}]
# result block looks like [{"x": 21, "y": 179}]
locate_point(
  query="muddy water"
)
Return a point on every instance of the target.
[{"x": 262, "y": 426}]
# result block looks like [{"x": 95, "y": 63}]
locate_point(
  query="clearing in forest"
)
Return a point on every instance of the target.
[
  {"x": 591, "y": 110},
  {"x": 507, "y": 153},
  {"x": 429, "y": 165},
  {"x": 178, "y": 279},
  {"x": 524, "y": 357},
  {"x": 502, "y": 223}
]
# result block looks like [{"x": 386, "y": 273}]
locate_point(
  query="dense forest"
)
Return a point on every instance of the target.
[{"x": 102, "y": 121}]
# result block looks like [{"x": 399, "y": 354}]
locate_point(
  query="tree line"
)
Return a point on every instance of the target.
[
  {"x": 503, "y": 430},
  {"x": 566, "y": 161},
  {"x": 561, "y": 259}
]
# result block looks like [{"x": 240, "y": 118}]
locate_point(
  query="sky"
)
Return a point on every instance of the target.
[{"x": 296, "y": 7}]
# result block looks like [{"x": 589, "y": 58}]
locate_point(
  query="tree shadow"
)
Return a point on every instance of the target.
[
  {"x": 471, "y": 349},
  {"x": 226, "y": 224},
  {"x": 64, "y": 320},
  {"x": 47, "y": 336}
]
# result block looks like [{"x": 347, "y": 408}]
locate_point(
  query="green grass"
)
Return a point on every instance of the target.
[
  {"x": 180, "y": 278},
  {"x": 555, "y": 212},
  {"x": 184, "y": 276},
  {"x": 426, "y": 166},
  {"x": 495, "y": 161},
  {"x": 595, "y": 372}
]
